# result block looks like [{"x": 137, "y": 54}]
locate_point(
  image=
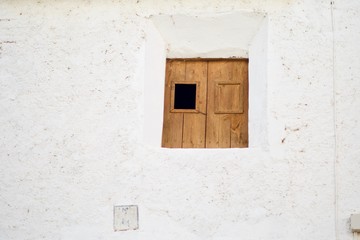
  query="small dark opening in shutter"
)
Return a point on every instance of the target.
[{"x": 185, "y": 96}]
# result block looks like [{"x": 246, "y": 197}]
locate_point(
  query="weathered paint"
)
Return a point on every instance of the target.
[{"x": 72, "y": 113}]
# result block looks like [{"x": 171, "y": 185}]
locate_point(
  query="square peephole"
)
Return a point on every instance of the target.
[{"x": 185, "y": 96}]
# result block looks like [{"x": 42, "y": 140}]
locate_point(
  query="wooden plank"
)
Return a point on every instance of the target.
[
  {"x": 194, "y": 130},
  {"x": 217, "y": 126},
  {"x": 212, "y": 133},
  {"x": 239, "y": 122},
  {"x": 197, "y": 72},
  {"x": 224, "y": 133},
  {"x": 194, "y": 123},
  {"x": 173, "y": 122}
]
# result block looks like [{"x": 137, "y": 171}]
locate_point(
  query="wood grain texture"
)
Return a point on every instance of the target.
[
  {"x": 216, "y": 135},
  {"x": 194, "y": 123},
  {"x": 229, "y": 97},
  {"x": 197, "y": 72},
  {"x": 173, "y": 123},
  {"x": 226, "y": 130},
  {"x": 221, "y": 118},
  {"x": 194, "y": 130},
  {"x": 239, "y": 124}
]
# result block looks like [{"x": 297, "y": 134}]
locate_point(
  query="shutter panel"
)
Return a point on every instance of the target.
[
  {"x": 227, "y": 114},
  {"x": 220, "y": 118},
  {"x": 185, "y": 127}
]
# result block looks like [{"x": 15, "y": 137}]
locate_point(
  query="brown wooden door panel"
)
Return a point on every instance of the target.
[
  {"x": 221, "y": 116},
  {"x": 225, "y": 126},
  {"x": 229, "y": 97}
]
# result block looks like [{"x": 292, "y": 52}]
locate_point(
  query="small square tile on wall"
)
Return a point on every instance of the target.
[{"x": 126, "y": 217}]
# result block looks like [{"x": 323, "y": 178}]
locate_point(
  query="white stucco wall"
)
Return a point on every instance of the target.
[
  {"x": 208, "y": 35},
  {"x": 347, "y": 73},
  {"x": 72, "y": 110},
  {"x": 258, "y": 66},
  {"x": 154, "y": 86}
]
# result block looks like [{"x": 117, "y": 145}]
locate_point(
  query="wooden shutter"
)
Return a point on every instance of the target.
[{"x": 220, "y": 119}]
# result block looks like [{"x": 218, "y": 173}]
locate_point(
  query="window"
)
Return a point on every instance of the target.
[
  {"x": 206, "y": 104},
  {"x": 184, "y": 96}
]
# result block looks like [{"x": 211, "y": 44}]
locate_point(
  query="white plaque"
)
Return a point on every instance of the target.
[{"x": 126, "y": 218}]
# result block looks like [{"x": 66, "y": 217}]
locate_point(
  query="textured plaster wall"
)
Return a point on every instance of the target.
[
  {"x": 210, "y": 35},
  {"x": 258, "y": 72},
  {"x": 72, "y": 87},
  {"x": 347, "y": 73}
]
